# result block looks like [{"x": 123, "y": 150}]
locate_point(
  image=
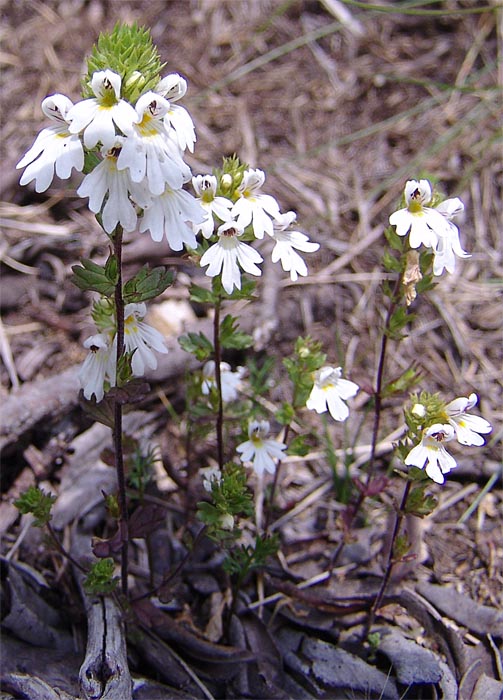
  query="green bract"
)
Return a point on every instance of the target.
[{"x": 128, "y": 51}]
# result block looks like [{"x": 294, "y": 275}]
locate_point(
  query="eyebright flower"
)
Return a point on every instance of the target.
[
  {"x": 225, "y": 255},
  {"x": 231, "y": 382},
  {"x": 469, "y": 429},
  {"x": 287, "y": 242},
  {"x": 149, "y": 151},
  {"x": 141, "y": 338},
  {"x": 173, "y": 87},
  {"x": 172, "y": 215},
  {"x": 210, "y": 475},
  {"x": 99, "y": 365},
  {"x": 205, "y": 187},
  {"x": 54, "y": 149},
  {"x": 260, "y": 450},
  {"x": 118, "y": 188},
  {"x": 330, "y": 391},
  {"x": 431, "y": 453},
  {"x": 98, "y": 116},
  {"x": 424, "y": 225},
  {"x": 255, "y": 208},
  {"x": 449, "y": 246}
]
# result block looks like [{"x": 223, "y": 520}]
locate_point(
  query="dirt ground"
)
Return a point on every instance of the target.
[{"x": 339, "y": 102}]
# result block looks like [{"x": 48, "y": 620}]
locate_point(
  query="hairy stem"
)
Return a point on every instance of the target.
[
  {"x": 218, "y": 381},
  {"x": 390, "y": 562},
  {"x": 381, "y": 364},
  {"x": 117, "y": 430}
]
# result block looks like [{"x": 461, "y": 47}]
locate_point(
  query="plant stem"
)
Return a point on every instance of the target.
[
  {"x": 381, "y": 364},
  {"x": 391, "y": 561},
  {"x": 63, "y": 551},
  {"x": 218, "y": 381},
  {"x": 117, "y": 430}
]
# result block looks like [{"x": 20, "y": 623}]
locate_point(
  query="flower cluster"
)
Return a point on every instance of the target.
[
  {"x": 140, "y": 149},
  {"x": 430, "y": 454},
  {"x": 235, "y": 211},
  {"x": 140, "y": 340},
  {"x": 430, "y": 226}
]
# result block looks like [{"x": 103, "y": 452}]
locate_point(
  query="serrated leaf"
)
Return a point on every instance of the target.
[
  {"x": 90, "y": 276},
  {"x": 390, "y": 263},
  {"x": 231, "y": 337},
  {"x": 102, "y": 412},
  {"x": 147, "y": 284},
  {"x": 196, "y": 344},
  {"x": 200, "y": 295}
]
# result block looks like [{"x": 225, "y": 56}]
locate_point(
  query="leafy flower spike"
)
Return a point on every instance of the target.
[
  {"x": 98, "y": 116},
  {"x": 54, "y": 149},
  {"x": 330, "y": 391},
  {"x": 469, "y": 429},
  {"x": 260, "y": 450},
  {"x": 431, "y": 453},
  {"x": 424, "y": 225},
  {"x": 254, "y": 208}
]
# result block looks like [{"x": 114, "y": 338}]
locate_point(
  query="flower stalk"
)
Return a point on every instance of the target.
[{"x": 117, "y": 429}]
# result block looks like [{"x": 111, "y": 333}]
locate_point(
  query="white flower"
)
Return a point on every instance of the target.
[
  {"x": 225, "y": 255},
  {"x": 287, "y": 242},
  {"x": 449, "y": 246},
  {"x": 98, "y": 116},
  {"x": 54, "y": 149},
  {"x": 173, "y": 87},
  {"x": 149, "y": 151},
  {"x": 226, "y": 521},
  {"x": 141, "y": 338},
  {"x": 210, "y": 475},
  {"x": 467, "y": 427},
  {"x": 231, "y": 382},
  {"x": 98, "y": 366},
  {"x": 255, "y": 208},
  {"x": 116, "y": 185},
  {"x": 171, "y": 215},
  {"x": 418, "y": 410},
  {"x": 205, "y": 187},
  {"x": 261, "y": 451},
  {"x": 423, "y": 224},
  {"x": 329, "y": 390},
  {"x": 431, "y": 452}
]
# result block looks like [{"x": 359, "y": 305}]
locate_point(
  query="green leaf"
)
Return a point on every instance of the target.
[
  {"x": 420, "y": 504},
  {"x": 93, "y": 277},
  {"x": 395, "y": 241},
  {"x": 100, "y": 580},
  {"x": 231, "y": 338},
  {"x": 286, "y": 414},
  {"x": 197, "y": 344},
  {"x": 147, "y": 284},
  {"x": 298, "y": 446},
  {"x": 390, "y": 263},
  {"x": 200, "y": 295},
  {"x": 404, "y": 382},
  {"x": 36, "y": 502}
]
